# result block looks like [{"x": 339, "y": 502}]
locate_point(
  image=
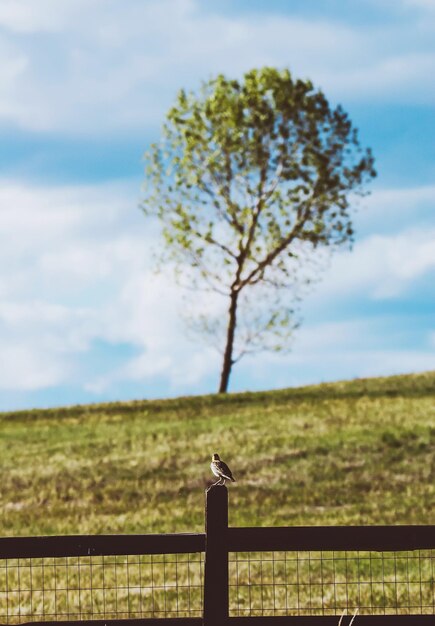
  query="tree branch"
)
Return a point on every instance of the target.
[
  {"x": 214, "y": 242},
  {"x": 224, "y": 193},
  {"x": 206, "y": 274},
  {"x": 256, "y": 274}
]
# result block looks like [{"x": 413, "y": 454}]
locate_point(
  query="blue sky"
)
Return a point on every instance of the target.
[{"x": 84, "y": 87}]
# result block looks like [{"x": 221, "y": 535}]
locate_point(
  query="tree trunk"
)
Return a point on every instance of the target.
[{"x": 228, "y": 355}]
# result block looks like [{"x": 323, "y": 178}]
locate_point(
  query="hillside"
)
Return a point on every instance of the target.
[{"x": 354, "y": 452}]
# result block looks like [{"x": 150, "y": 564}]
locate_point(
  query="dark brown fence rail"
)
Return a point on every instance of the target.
[
  {"x": 379, "y": 538},
  {"x": 297, "y": 576},
  {"x": 100, "y": 545}
]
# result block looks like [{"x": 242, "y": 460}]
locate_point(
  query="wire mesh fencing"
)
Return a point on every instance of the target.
[
  {"x": 330, "y": 582},
  {"x": 101, "y": 587},
  {"x": 260, "y": 584}
]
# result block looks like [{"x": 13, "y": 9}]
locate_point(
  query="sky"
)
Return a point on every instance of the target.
[{"x": 84, "y": 88}]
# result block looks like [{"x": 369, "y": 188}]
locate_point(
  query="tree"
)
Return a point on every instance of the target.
[{"x": 249, "y": 181}]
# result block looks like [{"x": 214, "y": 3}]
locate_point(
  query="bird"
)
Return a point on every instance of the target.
[{"x": 221, "y": 470}]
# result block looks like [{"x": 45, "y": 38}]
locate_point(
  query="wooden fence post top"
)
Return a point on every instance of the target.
[
  {"x": 216, "y": 491},
  {"x": 216, "y": 508}
]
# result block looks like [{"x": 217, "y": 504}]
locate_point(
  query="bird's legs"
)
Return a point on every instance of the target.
[{"x": 221, "y": 481}]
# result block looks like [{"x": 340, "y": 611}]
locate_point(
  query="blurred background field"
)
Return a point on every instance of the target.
[{"x": 357, "y": 452}]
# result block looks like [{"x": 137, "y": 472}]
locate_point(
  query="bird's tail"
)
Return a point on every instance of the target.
[{"x": 233, "y": 479}]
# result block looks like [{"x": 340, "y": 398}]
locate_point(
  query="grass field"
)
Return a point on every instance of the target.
[{"x": 358, "y": 452}]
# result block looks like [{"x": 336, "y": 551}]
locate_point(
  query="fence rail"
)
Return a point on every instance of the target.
[
  {"x": 100, "y": 545},
  {"x": 379, "y": 538},
  {"x": 297, "y": 576}
]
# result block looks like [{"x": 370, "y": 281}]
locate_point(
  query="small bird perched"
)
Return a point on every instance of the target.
[{"x": 221, "y": 470}]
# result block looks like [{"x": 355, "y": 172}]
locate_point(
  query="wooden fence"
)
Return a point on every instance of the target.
[{"x": 295, "y": 576}]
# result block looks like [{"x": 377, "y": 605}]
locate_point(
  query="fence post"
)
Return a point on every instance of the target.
[{"x": 216, "y": 597}]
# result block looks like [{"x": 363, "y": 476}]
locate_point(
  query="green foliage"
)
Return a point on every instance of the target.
[
  {"x": 268, "y": 154},
  {"x": 358, "y": 452},
  {"x": 250, "y": 179}
]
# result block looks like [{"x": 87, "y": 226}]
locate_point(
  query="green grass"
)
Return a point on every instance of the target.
[{"x": 358, "y": 452}]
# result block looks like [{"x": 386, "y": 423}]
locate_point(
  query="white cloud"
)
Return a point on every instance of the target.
[
  {"x": 33, "y": 16},
  {"x": 13, "y": 64},
  {"x": 329, "y": 336},
  {"x": 398, "y": 78},
  {"x": 97, "y": 66},
  {"x": 348, "y": 349},
  {"x": 396, "y": 209},
  {"x": 77, "y": 274},
  {"x": 380, "y": 266},
  {"x": 426, "y": 5},
  {"x": 24, "y": 368}
]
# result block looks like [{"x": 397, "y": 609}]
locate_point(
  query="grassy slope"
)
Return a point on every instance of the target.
[{"x": 356, "y": 452}]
